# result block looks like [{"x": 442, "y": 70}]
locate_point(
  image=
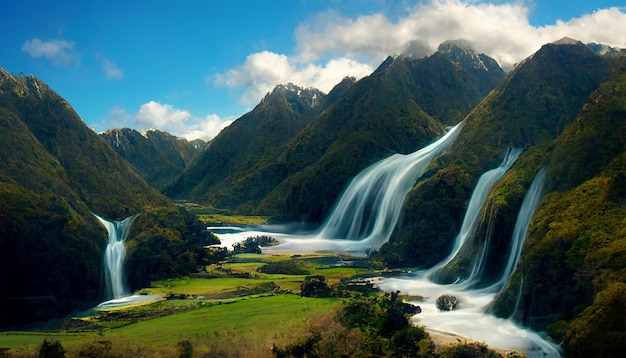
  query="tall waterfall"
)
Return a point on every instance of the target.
[
  {"x": 115, "y": 255},
  {"x": 474, "y": 209},
  {"x": 532, "y": 198}
]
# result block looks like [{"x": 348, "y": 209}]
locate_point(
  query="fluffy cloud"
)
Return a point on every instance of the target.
[
  {"x": 330, "y": 46},
  {"x": 59, "y": 52},
  {"x": 262, "y": 71},
  {"x": 165, "y": 117}
]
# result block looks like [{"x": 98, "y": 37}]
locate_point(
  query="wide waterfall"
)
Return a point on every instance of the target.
[
  {"x": 367, "y": 212},
  {"x": 474, "y": 209},
  {"x": 114, "y": 256}
]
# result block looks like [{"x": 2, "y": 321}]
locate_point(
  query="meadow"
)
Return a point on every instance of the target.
[{"x": 230, "y": 309}]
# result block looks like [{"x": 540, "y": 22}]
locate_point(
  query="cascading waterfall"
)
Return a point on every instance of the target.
[
  {"x": 368, "y": 210},
  {"x": 474, "y": 209},
  {"x": 470, "y": 320},
  {"x": 115, "y": 255}
]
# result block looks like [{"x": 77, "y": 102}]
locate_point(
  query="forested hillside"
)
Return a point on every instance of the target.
[{"x": 55, "y": 173}]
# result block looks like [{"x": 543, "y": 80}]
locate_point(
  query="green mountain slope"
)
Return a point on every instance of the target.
[
  {"x": 48, "y": 245},
  {"x": 261, "y": 133},
  {"x": 157, "y": 156},
  {"x": 402, "y": 106},
  {"x": 54, "y": 172},
  {"x": 102, "y": 178},
  {"x": 528, "y": 109},
  {"x": 574, "y": 266}
]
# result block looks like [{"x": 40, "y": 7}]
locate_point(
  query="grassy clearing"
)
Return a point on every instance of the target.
[
  {"x": 221, "y": 219},
  {"x": 239, "y": 311}
]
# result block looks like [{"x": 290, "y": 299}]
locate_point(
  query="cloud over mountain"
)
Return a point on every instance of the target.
[
  {"x": 330, "y": 46},
  {"x": 179, "y": 122}
]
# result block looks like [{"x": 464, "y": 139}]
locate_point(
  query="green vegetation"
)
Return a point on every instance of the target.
[
  {"x": 157, "y": 156},
  {"x": 54, "y": 173},
  {"x": 296, "y": 159},
  {"x": 447, "y": 303},
  {"x": 223, "y": 219}
]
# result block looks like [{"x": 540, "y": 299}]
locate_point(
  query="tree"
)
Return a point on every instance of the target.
[{"x": 315, "y": 286}]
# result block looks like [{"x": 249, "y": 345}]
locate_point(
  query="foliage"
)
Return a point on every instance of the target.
[
  {"x": 167, "y": 242},
  {"x": 288, "y": 267},
  {"x": 51, "y": 349},
  {"x": 600, "y": 330},
  {"x": 447, "y": 303},
  {"x": 157, "y": 156},
  {"x": 365, "y": 327},
  {"x": 468, "y": 350},
  {"x": 315, "y": 286},
  {"x": 252, "y": 245},
  {"x": 185, "y": 349}
]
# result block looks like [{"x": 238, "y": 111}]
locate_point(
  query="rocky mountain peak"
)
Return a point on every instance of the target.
[
  {"x": 461, "y": 53},
  {"x": 566, "y": 41}
]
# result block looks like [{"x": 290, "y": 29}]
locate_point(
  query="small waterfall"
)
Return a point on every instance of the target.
[
  {"x": 114, "y": 256},
  {"x": 474, "y": 209}
]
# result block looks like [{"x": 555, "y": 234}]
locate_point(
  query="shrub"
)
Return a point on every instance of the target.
[
  {"x": 447, "y": 303},
  {"x": 51, "y": 349}
]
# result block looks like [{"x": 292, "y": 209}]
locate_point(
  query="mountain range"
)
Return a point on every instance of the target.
[{"x": 564, "y": 108}]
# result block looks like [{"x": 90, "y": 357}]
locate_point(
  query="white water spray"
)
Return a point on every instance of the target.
[{"x": 115, "y": 255}]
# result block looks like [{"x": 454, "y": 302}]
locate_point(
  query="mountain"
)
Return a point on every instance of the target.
[
  {"x": 55, "y": 173},
  {"x": 261, "y": 133},
  {"x": 531, "y": 107},
  {"x": 157, "y": 156},
  {"x": 403, "y": 105},
  {"x": 574, "y": 267},
  {"x": 564, "y": 108}
]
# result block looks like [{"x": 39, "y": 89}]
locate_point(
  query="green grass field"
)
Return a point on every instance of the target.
[{"x": 225, "y": 316}]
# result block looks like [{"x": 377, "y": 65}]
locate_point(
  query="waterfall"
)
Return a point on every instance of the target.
[
  {"x": 531, "y": 200},
  {"x": 369, "y": 208},
  {"x": 471, "y": 320},
  {"x": 474, "y": 209},
  {"x": 367, "y": 212},
  {"x": 114, "y": 256}
]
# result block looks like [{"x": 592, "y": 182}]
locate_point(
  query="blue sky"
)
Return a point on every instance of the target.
[{"x": 191, "y": 67}]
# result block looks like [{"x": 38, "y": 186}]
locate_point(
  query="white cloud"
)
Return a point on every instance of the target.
[
  {"x": 110, "y": 69},
  {"x": 59, "y": 52},
  {"x": 262, "y": 71},
  {"x": 330, "y": 46},
  {"x": 165, "y": 117}
]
